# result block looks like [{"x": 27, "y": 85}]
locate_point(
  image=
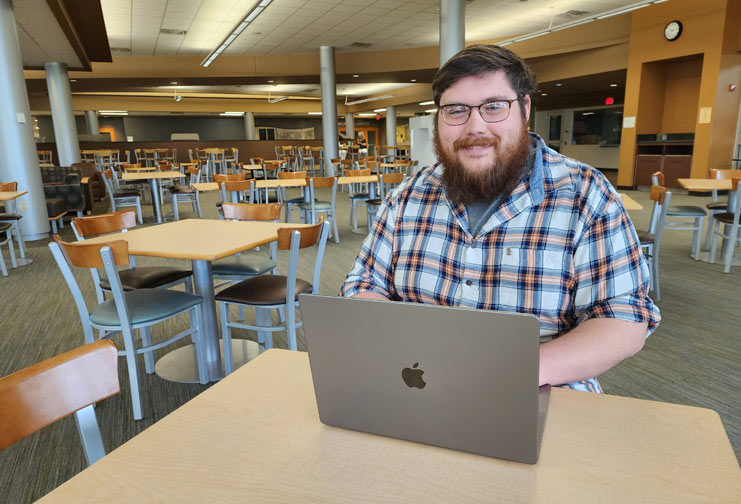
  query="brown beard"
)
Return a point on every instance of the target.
[{"x": 464, "y": 187}]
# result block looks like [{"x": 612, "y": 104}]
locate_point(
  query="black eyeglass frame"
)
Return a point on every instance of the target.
[{"x": 471, "y": 107}]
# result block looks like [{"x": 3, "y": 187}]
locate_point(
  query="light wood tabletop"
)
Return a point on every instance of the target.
[
  {"x": 206, "y": 186},
  {"x": 259, "y": 184},
  {"x": 11, "y": 195},
  {"x": 357, "y": 180},
  {"x": 695, "y": 184},
  {"x": 152, "y": 175},
  {"x": 629, "y": 203},
  {"x": 242, "y": 441},
  {"x": 199, "y": 239}
]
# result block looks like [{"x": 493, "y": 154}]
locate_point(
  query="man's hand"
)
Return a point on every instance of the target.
[
  {"x": 370, "y": 295},
  {"x": 589, "y": 349}
]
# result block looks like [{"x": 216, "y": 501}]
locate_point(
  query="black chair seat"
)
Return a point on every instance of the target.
[
  {"x": 645, "y": 237},
  {"x": 4, "y": 226},
  {"x": 148, "y": 277},
  {"x": 725, "y": 217},
  {"x": 262, "y": 290},
  {"x": 124, "y": 194},
  {"x": 717, "y": 205},
  {"x": 375, "y": 201},
  {"x": 181, "y": 189},
  {"x": 10, "y": 216}
]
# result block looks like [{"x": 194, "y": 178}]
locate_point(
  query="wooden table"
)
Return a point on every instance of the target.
[
  {"x": 201, "y": 241},
  {"x": 256, "y": 437},
  {"x": 154, "y": 178},
  {"x": 714, "y": 185},
  {"x": 629, "y": 203}
]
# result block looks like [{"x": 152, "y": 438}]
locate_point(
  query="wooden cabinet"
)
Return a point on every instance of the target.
[{"x": 673, "y": 159}]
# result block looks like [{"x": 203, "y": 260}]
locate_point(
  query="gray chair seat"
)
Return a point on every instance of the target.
[
  {"x": 262, "y": 290},
  {"x": 645, "y": 237},
  {"x": 145, "y": 305},
  {"x": 319, "y": 205},
  {"x": 686, "y": 211},
  {"x": 148, "y": 277},
  {"x": 360, "y": 196},
  {"x": 245, "y": 264}
]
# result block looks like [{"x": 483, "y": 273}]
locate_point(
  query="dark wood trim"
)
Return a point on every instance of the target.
[
  {"x": 87, "y": 18},
  {"x": 65, "y": 23}
]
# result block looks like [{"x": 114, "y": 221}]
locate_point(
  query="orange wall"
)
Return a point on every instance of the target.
[{"x": 681, "y": 96}]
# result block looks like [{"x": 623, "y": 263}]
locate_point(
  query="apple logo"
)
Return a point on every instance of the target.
[{"x": 413, "y": 376}]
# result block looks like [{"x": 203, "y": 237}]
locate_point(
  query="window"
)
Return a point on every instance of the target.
[
  {"x": 266, "y": 133},
  {"x": 597, "y": 126}
]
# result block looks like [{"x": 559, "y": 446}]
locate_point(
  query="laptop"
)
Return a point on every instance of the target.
[{"x": 451, "y": 377}]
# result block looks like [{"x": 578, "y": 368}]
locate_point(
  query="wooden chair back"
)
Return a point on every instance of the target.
[
  {"x": 393, "y": 178},
  {"x": 8, "y": 186},
  {"x": 129, "y": 166},
  {"x": 659, "y": 178},
  {"x": 106, "y": 223},
  {"x": 192, "y": 170},
  {"x": 657, "y": 194},
  {"x": 258, "y": 160},
  {"x": 87, "y": 255},
  {"x": 251, "y": 212},
  {"x": 43, "y": 393},
  {"x": 724, "y": 174},
  {"x": 309, "y": 235},
  {"x": 292, "y": 175},
  {"x": 237, "y": 185},
  {"x": 229, "y": 177},
  {"x": 108, "y": 173},
  {"x": 321, "y": 181},
  {"x": 358, "y": 173}
]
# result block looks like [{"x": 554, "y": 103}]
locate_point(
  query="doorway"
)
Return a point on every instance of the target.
[{"x": 554, "y": 131}]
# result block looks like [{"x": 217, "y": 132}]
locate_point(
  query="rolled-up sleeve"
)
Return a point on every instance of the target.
[
  {"x": 611, "y": 273},
  {"x": 373, "y": 268}
]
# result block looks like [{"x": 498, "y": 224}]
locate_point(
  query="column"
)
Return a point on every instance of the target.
[
  {"x": 18, "y": 159},
  {"x": 391, "y": 130},
  {"x": 91, "y": 118},
  {"x": 349, "y": 125},
  {"x": 452, "y": 28},
  {"x": 62, "y": 114},
  {"x": 249, "y": 126},
  {"x": 329, "y": 107}
]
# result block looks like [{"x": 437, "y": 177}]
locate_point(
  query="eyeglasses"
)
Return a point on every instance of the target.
[{"x": 457, "y": 114}]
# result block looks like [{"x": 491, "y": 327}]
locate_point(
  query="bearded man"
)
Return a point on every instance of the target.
[{"x": 502, "y": 222}]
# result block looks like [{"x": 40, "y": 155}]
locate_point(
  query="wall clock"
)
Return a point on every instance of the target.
[{"x": 673, "y": 30}]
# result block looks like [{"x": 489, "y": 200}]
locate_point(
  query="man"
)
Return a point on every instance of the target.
[{"x": 502, "y": 222}]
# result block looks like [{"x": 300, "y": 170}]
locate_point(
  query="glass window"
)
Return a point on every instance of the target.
[{"x": 597, "y": 126}]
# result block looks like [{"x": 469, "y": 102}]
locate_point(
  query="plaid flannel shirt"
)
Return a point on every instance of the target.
[{"x": 561, "y": 247}]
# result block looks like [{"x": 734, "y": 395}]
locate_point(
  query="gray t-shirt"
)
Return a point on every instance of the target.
[{"x": 480, "y": 210}]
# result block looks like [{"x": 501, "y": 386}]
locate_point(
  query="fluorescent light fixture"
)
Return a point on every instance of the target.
[
  {"x": 431, "y": 111},
  {"x": 250, "y": 16},
  {"x": 378, "y": 110},
  {"x": 113, "y": 112},
  {"x": 315, "y": 113},
  {"x": 616, "y": 12},
  {"x": 232, "y": 114},
  {"x": 366, "y": 114},
  {"x": 613, "y": 85},
  {"x": 431, "y": 102},
  {"x": 558, "y": 84},
  {"x": 587, "y": 113},
  {"x": 373, "y": 98},
  {"x": 276, "y": 100}
]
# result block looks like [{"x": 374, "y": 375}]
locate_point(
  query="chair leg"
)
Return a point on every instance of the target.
[
  {"x": 264, "y": 320},
  {"x": 709, "y": 233},
  {"x": 3, "y": 269},
  {"x": 226, "y": 339},
  {"x": 145, "y": 333},
  {"x": 715, "y": 241},
  {"x": 291, "y": 327},
  {"x": 730, "y": 247},
  {"x": 11, "y": 248},
  {"x": 699, "y": 221},
  {"x": 139, "y": 210},
  {"x": 336, "y": 233},
  {"x": 174, "y": 205},
  {"x": 21, "y": 244},
  {"x": 655, "y": 275},
  {"x": 194, "y": 316},
  {"x": 136, "y": 392}
]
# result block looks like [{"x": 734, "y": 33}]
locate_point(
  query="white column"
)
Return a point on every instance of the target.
[
  {"x": 329, "y": 107},
  {"x": 349, "y": 125},
  {"x": 390, "y": 130},
  {"x": 18, "y": 159},
  {"x": 62, "y": 114},
  {"x": 249, "y": 126},
  {"x": 91, "y": 118},
  {"x": 452, "y": 28}
]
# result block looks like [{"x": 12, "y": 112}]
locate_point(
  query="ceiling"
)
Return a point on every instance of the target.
[{"x": 169, "y": 31}]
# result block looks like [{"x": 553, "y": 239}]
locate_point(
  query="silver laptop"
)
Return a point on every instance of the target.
[{"x": 451, "y": 377}]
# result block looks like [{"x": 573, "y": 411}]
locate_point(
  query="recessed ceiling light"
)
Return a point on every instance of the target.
[
  {"x": 426, "y": 103},
  {"x": 543, "y": 94},
  {"x": 270, "y": 81},
  {"x": 378, "y": 110},
  {"x": 430, "y": 111},
  {"x": 558, "y": 84},
  {"x": 73, "y": 80},
  {"x": 315, "y": 113},
  {"x": 414, "y": 80},
  {"x": 174, "y": 82},
  {"x": 356, "y": 75},
  {"x": 613, "y": 85}
]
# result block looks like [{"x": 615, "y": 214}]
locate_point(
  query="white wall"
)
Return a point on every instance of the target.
[{"x": 421, "y": 128}]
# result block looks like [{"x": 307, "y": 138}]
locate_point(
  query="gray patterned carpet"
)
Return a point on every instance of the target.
[{"x": 694, "y": 358}]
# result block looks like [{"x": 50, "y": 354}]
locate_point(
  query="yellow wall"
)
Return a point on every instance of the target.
[{"x": 681, "y": 96}]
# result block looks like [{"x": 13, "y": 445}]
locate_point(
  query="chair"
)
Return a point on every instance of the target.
[
  {"x": 220, "y": 178},
  {"x": 13, "y": 219},
  {"x": 148, "y": 277},
  {"x": 7, "y": 227},
  {"x": 45, "y": 156},
  {"x": 716, "y": 207},
  {"x": 651, "y": 239},
  {"x": 239, "y": 267},
  {"x": 238, "y": 191},
  {"x": 357, "y": 196},
  {"x": 695, "y": 213},
  {"x": 43, "y": 393},
  {"x": 126, "y": 311},
  {"x": 385, "y": 183},
  {"x": 187, "y": 193},
  {"x": 292, "y": 203},
  {"x": 309, "y": 210},
  {"x": 122, "y": 198},
  {"x": 730, "y": 221},
  {"x": 266, "y": 292}
]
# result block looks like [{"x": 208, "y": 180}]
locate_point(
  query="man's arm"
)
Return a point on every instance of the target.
[
  {"x": 370, "y": 295},
  {"x": 592, "y": 347}
]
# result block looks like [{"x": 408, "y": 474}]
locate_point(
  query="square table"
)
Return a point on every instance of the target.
[
  {"x": 256, "y": 437},
  {"x": 201, "y": 241},
  {"x": 154, "y": 178},
  {"x": 629, "y": 203},
  {"x": 696, "y": 184}
]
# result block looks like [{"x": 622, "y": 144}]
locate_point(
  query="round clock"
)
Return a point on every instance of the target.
[{"x": 673, "y": 30}]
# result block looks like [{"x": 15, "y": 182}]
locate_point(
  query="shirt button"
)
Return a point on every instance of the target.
[
  {"x": 473, "y": 245},
  {"x": 469, "y": 283}
]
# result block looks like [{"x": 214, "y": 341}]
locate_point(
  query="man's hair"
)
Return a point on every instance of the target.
[{"x": 480, "y": 59}]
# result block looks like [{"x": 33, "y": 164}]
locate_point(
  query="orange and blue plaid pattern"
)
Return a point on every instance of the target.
[{"x": 562, "y": 247}]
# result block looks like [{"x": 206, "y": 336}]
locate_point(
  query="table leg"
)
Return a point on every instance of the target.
[{"x": 154, "y": 187}]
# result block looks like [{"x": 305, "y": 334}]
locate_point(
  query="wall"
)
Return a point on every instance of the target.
[{"x": 681, "y": 95}]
